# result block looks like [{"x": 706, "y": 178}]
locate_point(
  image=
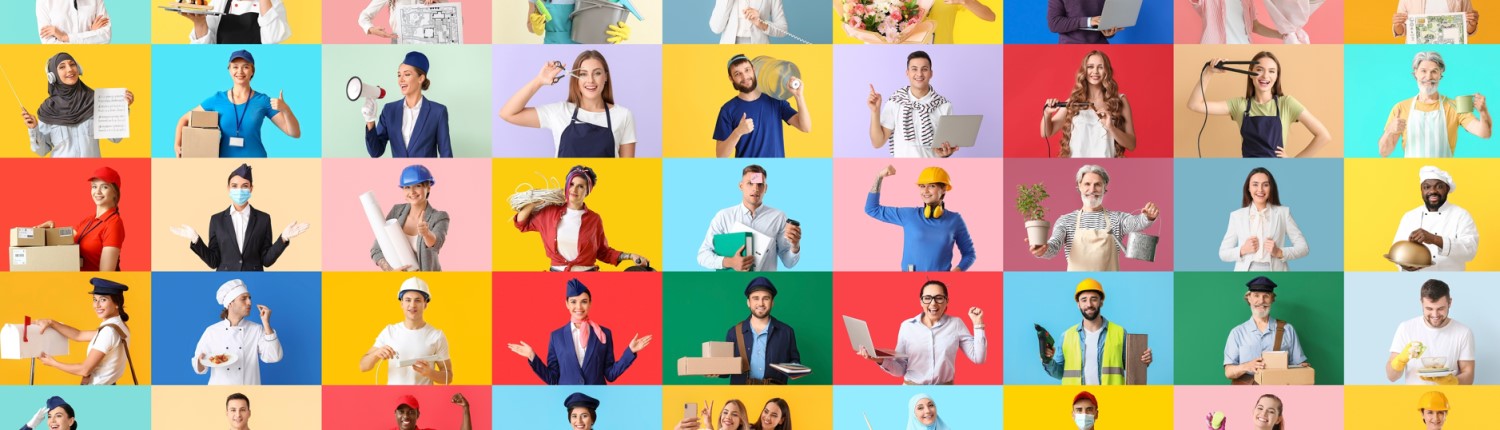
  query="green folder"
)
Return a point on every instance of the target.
[{"x": 725, "y": 245}]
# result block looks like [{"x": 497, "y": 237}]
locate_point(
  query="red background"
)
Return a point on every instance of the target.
[
  {"x": 529, "y": 306},
  {"x": 58, "y": 190},
  {"x": 356, "y": 407},
  {"x": 1035, "y": 73},
  {"x": 885, "y": 299}
]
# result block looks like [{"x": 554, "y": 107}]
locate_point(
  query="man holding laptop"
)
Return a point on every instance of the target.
[
  {"x": 1090, "y": 21},
  {"x": 1094, "y": 350},
  {"x": 927, "y": 346},
  {"x": 911, "y": 122}
]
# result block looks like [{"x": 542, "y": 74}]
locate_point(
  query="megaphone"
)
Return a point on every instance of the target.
[{"x": 358, "y": 89}]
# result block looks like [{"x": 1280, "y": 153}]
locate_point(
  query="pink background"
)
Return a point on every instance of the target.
[
  {"x": 341, "y": 22},
  {"x": 1133, "y": 182},
  {"x": 1307, "y": 407},
  {"x": 1325, "y": 26},
  {"x": 864, "y": 244},
  {"x": 462, "y": 190}
]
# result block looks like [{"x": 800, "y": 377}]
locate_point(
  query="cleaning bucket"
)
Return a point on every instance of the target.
[
  {"x": 592, "y": 17},
  {"x": 774, "y": 77},
  {"x": 1142, "y": 246}
]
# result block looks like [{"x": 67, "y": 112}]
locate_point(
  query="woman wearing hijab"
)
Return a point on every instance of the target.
[
  {"x": 100, "y": 237},
  {"x": 242, "y": 111},
  {"x": 589, "y": 123},
  {"x": 581, "y": 352},
  {"x": 109, "y": 345},
  {"x": 572, "y": 234},
  {"x": 240, "y": 23},
  {"x": 412, "y": 126},
  {"x": 72, "y": 21},
  {"x": 426, "y": 228},
  {"x": 58, "y": 414},
  {"x": 64, "y": 125},
  {"x": 924, "y": 414}
]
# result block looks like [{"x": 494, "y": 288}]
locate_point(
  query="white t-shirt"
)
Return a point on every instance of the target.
[
  {"x": 1091, "y": 356},
  {"x": 1437, "y": 6},
  {"x": 557, "y": 116},
  {"x": 890, "y": 118},
  {"x": 1234, "y": 22},
  {"x": 423, "y": 342},
  {"x": 113, "y": 366},
  {"x": 1454, "y": 341},
  {"x": 567, "y": 233}
]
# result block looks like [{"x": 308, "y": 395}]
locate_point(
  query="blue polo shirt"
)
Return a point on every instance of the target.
[{"x": 768, "y": 112}]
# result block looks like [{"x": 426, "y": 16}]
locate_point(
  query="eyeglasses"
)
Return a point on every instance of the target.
[{"x": 930, "y": 299}]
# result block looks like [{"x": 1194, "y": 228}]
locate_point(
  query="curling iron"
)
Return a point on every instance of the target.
[{"x": 1072, "y": 104}]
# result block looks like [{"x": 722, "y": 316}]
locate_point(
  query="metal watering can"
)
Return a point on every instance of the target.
[{"x": 1142, "y": 246}]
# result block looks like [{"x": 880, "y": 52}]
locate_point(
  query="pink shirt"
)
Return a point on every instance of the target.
[{"x": 1212, "y": 12}]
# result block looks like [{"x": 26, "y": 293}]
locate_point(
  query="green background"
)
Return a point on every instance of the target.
[
  {"x": 1208, "y": 305},
  {"x": 701, "y": 307},
  {"x": 460, "y": 81}
]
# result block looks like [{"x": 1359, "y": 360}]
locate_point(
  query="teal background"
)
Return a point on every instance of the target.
[
  {"x": 541, "y": 407},
  {"x": 1208, "y": 305},
  {"x": 184, "y": 75},
  {"x": 1312, "y": 188},
  {"x": 129, "y": 20},
  {"x": 460, "y": 81},
  {"x": 96, "y": 407},
  {"x": 1383, "y": 78},
  {"x": 703, "y": 187},
  {"x": 702, "y": 307}
]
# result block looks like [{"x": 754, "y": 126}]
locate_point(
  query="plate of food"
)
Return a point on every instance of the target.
[
  {"x": 191, "y": 7},
  {"x": 219, "y": 360}
]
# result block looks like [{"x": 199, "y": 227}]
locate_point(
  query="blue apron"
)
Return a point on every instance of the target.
[
  {"x": 559, "y": 30},
  {"x": 1261, "y": 134},
  {"x": 584, "y": 140}
]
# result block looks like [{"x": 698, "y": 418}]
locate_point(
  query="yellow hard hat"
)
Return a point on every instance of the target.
[
  {"x": 1088, "y": 284},
  {"x": 935, "y": 175},
  {"x": 1433, "y": 401}
]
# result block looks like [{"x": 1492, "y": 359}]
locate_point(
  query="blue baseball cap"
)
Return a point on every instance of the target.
[{"x": 242, "y": 54}]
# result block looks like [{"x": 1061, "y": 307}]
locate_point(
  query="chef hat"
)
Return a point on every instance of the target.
[
  {"x": 1432, "y": 172},
  {"x": 231, "y": 290}
]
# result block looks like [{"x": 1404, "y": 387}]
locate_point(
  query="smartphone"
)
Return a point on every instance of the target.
[
  {"x": 689, "y": 410},
  {"x": 793, "y": 222}
]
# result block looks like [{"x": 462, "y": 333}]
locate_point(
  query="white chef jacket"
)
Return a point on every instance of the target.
[
  {"x": 273, "y": 25},
  {"x": 247, "y": 341},
  {"x": 1454, "y": 224}
]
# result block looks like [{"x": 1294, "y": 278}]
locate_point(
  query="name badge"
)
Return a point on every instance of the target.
[{"x": 238, "y": 142}]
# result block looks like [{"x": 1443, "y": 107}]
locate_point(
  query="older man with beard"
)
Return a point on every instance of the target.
[
  {"x": 1091, "y": 236},
  {"x": 1448, "y": 231},
  {"x": 1249, "y": 341},
  {"x": 735, "y": 133},
  {"x": 1427, "y": 125}
]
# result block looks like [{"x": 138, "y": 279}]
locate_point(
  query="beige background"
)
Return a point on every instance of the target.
[
  {"x": 189, "y": 191},
  {"x": 271, "y": 407},
  {"x": 1313, "y": 74}
]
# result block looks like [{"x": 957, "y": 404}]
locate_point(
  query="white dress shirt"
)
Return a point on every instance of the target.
[
  {"x": 728, "y": 21},
  {"x": 1453, "y": 223},
  {"x": 273, "y": 24},
  {"x": 766, "y": 220},
  {"x": 66, "y": 141},
  {"x": 248, "y": 341},
  {"x": 1274, "y": 222},
  {"x": 409, "y": 120},
  {"x": 73, "y": 21},
  {"x": 241, "y": 220},
  {"x": 931, "y": 352},
  {"x": 578, "y": 349},
  {"x": 114, "y": 364}
]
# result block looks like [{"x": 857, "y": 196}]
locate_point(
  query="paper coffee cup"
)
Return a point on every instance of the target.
[{"x": 1465, "y": 104}]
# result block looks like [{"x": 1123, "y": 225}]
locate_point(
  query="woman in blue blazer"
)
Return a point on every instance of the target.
[
  {"x": 414, "y": 126},
  {"x": 598, "y": 365}
]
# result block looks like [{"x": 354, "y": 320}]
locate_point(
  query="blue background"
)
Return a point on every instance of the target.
[
  {"x": 186, "y": 305},
  {"x": 129, "y": 20},
  {"x": 973, "y": 407},
  {"x": 122, "y": 407},
  {"x": 1384, "y": 79},
  {"x": 1026, "y": 23},
  {"x": 1312, "y": 188},
  {"x": 1375, "y": 303},
  {"x": 686, "y": 21},
  {"x": 184, "y": 75},
  {"x": 1140, "y": 302},
  {"x": 701, "y": 187},
  {"x": 541, "y": 407}
]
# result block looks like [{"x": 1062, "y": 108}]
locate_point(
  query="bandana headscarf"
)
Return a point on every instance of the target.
[
  {"x": 912, "y": 423},
  {"x": 66, "y": 104},
  {"x": 589, "y": 179}
]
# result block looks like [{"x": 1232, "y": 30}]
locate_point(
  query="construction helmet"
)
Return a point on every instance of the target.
[
  {"x": 935, "y": 175},
  {"x": 416, "y": 174},
  {"x": 1088, "y": 284},
  {"x": 1433, "y": 401}
]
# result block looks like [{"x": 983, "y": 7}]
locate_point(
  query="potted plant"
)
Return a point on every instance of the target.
[{"x": 1029, "y": 203}]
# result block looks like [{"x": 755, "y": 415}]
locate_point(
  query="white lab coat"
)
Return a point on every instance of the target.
[
  {"x": 728, "y": 16},
  {"x": 1278, "y": 223}
]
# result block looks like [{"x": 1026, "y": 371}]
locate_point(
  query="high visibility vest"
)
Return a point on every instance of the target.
[{"x": 1111, "y": 366}]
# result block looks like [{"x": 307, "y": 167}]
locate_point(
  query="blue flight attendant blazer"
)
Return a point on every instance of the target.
[
  {"x": 429, "y": 139},
  {"x": 599, "y": 363}
]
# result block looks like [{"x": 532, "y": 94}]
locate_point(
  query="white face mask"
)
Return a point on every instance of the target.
[{"x": 1084, "y": 421}]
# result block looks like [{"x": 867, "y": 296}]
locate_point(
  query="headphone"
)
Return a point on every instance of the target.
[
  {"x": 932, "y": 211},
  {"x": 52, "y": 75}
]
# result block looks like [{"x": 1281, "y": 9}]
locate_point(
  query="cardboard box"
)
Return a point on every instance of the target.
[
  {"x": 200, "y": 143},
  {"x": 203, "y": 119},
  {"x": 45, "y": 259},
  {"x": 1274, "y": 359},
  {"x": 27, "y": 236},
  {"x": 701, "y": 366},
  {"x": 1293, "y": 376},
  {"x": 718, "y": 349},
  {"x": 1135, "y": 370},
  {"x": 59, "y": 236},
  {"x": 13, "y": 348}
]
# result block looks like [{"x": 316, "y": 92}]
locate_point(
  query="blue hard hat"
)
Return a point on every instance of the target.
[{"x": 416, "y": 174}]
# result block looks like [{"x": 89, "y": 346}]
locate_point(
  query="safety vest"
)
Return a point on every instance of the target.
[{"x": 1111, "y": 366}]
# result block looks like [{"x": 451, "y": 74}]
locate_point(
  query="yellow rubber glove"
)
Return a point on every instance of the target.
[
  {"x": 537, "y": 22},
  {"x": 617, "y": 33},
  {"x": 1398, "y": 363},
  {"x": 1442, "y": 380}
]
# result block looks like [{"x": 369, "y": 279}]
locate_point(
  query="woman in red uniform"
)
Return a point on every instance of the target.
[{"x": 100, "y": 236}]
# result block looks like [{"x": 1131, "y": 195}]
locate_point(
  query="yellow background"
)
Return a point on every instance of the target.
[
  {"x": 64, "y": 297},
  {"x": 1395, "y": 407},
  {"x": 1378, "y": 191},
  {"x": 305, "y": 18},
  {"x": 356, "y": 306},
  {"x": 510, "y": 17},
  {"x": 812, "y": 406},
  {"x": 103, "y": 67},
  {"x": 1313, "y": 74},
  {"x": 1120, "y": 407},
  {"x": 190, "y": 191},
  {"x": 968, "y": 28},
  {"x": 182, "y": 407},
  {"x": 1370, "y": 22},
  {"x": 697, "y": 84},
  {"x": 627, "y": 198}
]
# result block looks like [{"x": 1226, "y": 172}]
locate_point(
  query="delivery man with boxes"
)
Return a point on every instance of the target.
[{"x": 1258, "y": 351}]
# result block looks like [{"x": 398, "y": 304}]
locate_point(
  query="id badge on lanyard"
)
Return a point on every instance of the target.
[{"x": 237, "y": 140}]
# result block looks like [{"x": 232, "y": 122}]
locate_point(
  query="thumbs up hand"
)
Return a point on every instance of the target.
[
  {"x": 279, "y": 103},
  {"x": 747, "y": 125}
]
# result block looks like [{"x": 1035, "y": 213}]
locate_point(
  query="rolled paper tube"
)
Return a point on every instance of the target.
[
  {"x": 399, "y": 244},
  {"x": 377, "y": 228}
]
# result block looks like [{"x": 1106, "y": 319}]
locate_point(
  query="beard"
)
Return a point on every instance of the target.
[
  {"x": 1092, "y": 201},
  {"x": 1433, "y": 207},
  {"x": 746, "y": 89},
  {"x": 1090, "y": 313},
  {"x": 1427, "y": 88}
]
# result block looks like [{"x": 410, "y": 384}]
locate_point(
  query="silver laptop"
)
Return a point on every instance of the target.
[
  {"x": 958, "y": 130},
  {"x": 859, "y": 336},
  {"x": 1118, "y": 14}
]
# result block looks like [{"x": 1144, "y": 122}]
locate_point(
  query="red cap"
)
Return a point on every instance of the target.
[
  {"x": 107, "y": 175},
  {"x": 408, "y": 400},
  {"x": 1085, "y": 395}
]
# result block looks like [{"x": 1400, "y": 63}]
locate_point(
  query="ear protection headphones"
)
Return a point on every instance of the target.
[
  {"x": 933, "y": 211},
  {"x": 52, "y": 75}
]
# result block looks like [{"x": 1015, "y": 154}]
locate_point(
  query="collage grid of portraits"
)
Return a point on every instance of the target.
[{"x": 928, "y": 224}]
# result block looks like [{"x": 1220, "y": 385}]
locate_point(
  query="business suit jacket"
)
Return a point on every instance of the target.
[
  {"x": 781, "y": 347},
  {"x": 427, "y": 256},
  {"x": 223, "y": 254},
  {"x": 598, "y": 365},
  {"x": 428, "y": 139}
]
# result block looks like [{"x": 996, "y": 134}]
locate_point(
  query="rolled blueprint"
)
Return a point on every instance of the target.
[{"x": 388, "y": 234}]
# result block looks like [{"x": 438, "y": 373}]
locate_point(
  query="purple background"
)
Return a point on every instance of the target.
[
  {"x": 969, "y": 76},
  {"x": 635, "y": 73}
]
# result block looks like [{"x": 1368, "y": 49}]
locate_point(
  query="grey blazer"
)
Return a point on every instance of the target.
[{"x": 427, "y": 256}]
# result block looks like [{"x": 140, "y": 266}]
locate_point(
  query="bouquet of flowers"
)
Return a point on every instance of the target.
[{"x": 886, "y": 21}]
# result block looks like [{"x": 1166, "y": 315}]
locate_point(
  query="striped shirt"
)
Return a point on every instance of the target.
[
  {"x": 66, "y": 141},
  {"x": 1062, "y": 230}
]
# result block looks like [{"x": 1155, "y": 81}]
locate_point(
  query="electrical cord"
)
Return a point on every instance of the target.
[{"x": 1202, "y": 92}]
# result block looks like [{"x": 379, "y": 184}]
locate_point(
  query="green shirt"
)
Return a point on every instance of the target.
[{"x": 1290, "y": 110}]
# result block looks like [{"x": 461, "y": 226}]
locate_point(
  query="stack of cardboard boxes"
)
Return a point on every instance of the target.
[
  {"x": 718, "y": 359},
  {"x": 201, "y": 137},
  {"x": 43, "y": 250},
  {"x": 1277, "y": 372}
]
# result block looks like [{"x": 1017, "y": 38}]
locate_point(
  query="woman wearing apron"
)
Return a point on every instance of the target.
[
  {"x": 101, "y": 236},
  {"x": 1427, "y": 125},
  {"x": 555, "y": 22},
  {"x": 1256, "y": 230},
  {"x": 1090, "y": 237},
  {"x": 572, "y": 234},
  {"x": 412, "y": 126},
  {"x": 588, "y": 124},
  {"x": 244, "y": 22},
  {"x": 1265, "y": 115},
  {"x": 1096, "y": 121},
  {"x": 242, "y": 111}
]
